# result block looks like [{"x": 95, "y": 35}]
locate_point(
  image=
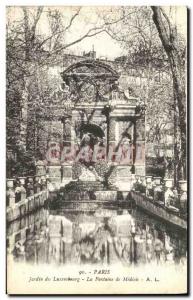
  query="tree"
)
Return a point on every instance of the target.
[
  {"x": 30, "y": 51},
  {"x": 169, "y": 38},
  {"x": 29, "y": 54},
  {"x": 139, "y": 37},
  {"x": 152, "y": 37}
]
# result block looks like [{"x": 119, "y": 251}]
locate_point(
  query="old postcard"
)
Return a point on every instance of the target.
[{"x": 96, "y": 110}]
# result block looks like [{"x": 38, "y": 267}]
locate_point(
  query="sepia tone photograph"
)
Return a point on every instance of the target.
[{"x": 96, "y": 150}]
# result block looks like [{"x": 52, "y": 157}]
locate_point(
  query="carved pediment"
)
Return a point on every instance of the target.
[{"x": 89, "y": 81}]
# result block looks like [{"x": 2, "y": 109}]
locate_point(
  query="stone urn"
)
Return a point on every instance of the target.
[
  {"x": 30, "y": 186},
  {"x": 40, "y": 168},
  {"x": 168, "y": 183},
  {"x": 149, "y": 186},
  {"x": 10, "y": 183},
  {"x": 43, "y": 182},
  {"x": 139, "y": 179},
  {"x": 133, "y": 180},
  {"x": 158, "y": 189},
  {"x": 22, "y": 181},
  {"x": 125, "y": 195},
  {"x": 30, "y": 179},
  {"x": 37, "y": 185},
  {"x": 183, "y": 194},
  {"x": 183, "y": 185},
  {"x": 143, "y": 180},
  {"x": 168, "y": 195},
  {"x": 157, "y": 181},
  {"x": 22, "y": 188},
  {"x": 148, "y": 179},
  {"x": 138, "y": 184}
]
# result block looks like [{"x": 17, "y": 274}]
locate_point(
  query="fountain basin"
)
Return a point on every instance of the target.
[{"x": 106, "y": 195}]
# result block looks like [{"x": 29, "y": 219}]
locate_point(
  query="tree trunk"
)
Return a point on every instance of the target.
[{"x": 168, "y": 37}]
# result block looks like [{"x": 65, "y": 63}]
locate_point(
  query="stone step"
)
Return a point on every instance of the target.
[{"x": 84, "y": 186}]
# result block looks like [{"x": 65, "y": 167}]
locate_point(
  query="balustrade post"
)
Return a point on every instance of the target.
[
  {"x": 176, "y": 198},
  {"x": 43, "y": 183},
  {"x": 158, "y": 190},
  {"x": 149, "y": 191},
  {"x": 37, "y": 186},
  {"x": 40, "y": 168},
  {"x": 142, "y": 184},
  {"x": 133, "y": 180},
  {"x": 143, "y": 180},
  {"x": 30, "y": 186},
  {"x": 66, "y": 172},
  {"x": 68, "y": 150},
  {"x": 168, "y": 195},
  {"x": 48, "y": 183},
  {"x": 137, "y": 183},
  {"x": 183, "y": 195},
  {"x": 10, "y": 194},
  {"x": 22, "y": 185}
]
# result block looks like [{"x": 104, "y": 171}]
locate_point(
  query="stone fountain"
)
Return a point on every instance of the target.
[{"x": 87, "y": 192}]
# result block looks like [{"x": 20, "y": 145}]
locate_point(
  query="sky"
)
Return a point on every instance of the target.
[{"x": 103, "y": 44}]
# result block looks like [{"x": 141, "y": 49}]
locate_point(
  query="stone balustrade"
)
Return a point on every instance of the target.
[
  {"x": 183, "y": 195},
  {"x": 159, "y": 210},
  {"x": 162, "y": 191},
  {"x": 24, "y": 195}
]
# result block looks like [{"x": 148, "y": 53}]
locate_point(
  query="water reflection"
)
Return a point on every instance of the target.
[{"x": 100, "y": 237}]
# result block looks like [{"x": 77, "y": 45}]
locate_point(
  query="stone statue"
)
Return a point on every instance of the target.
[{"x": 87, "y": 175}]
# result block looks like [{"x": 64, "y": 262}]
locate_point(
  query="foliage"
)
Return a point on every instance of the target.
[
  {"x": 152, "y": 41},
  {"x": 76, "y": 170},
  {"x": 101, "y": 168},
  {"x": 22, "y": 165},
  {"x": 172, "y": 45},
  {"x": 154, "y": 49},
  {"x": 30, "y": 53}
]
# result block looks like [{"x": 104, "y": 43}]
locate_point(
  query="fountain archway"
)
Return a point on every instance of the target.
[{"x": 93, "y": 104}]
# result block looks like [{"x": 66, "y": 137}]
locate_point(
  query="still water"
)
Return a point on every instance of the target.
[{"x": 106, "y": 236}]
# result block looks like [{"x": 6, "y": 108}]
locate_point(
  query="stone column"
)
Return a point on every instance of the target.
[
  {"x": 67, "y": 124},
  {"x": 139, "y": 144},
  {"x": 40, "y": 168},
  {"x": 54, "y": 169},
  {"x": 54, "y": 174},
  {"x": 110, "y": 147},
  {"x": 66, "y": 173},
  {"x": 67, "y": 151},
  {"x": 133, "y": 180},
  {"x": 112, "y": 123}
]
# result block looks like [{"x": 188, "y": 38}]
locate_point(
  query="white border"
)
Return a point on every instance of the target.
[{"x": 4, "y": 3}]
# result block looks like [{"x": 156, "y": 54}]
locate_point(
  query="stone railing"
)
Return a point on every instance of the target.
[
  {"x": 162, "y": 191},
  {"x": 25, "y": 195},
  {"x": 159, "y": 210}
]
